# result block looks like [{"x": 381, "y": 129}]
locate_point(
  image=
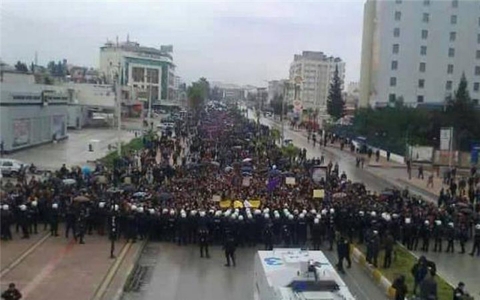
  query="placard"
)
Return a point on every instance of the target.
[
  {"x": 290, "y": 180},
  {"x": 225, "y": 204},
  {"x": 318, "y": 193},
  {"x": 246, "y": 181},
  {"x": 255, "y": 203},
  {"x": 216, "y": 198},
  {"x": 237, "y": 204}
]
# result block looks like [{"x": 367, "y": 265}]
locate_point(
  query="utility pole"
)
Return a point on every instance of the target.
[
  {"x": 118, "y": 106},
  {"x": 450, "y": 149},
  {"x": 149, "y": 81},
  {"x": 285, "y": 91}
]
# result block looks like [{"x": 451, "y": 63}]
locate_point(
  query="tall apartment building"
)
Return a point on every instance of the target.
[
  {"x": 275, "y": 88},
  {"x": 417, "y": 50},
  {"x": 148, "y": 71},
  {"x": 316, "y": 70}
]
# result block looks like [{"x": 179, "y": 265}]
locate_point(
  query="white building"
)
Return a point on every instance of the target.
[
  {"x": 316, "y": 70},
  {"x": 148, "y": 71},
  {"x": 276, "y": 88},
  {"x": 418, "y": 50}
]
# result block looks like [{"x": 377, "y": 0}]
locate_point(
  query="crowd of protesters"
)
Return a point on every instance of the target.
[{"x": 221, "y": 179}]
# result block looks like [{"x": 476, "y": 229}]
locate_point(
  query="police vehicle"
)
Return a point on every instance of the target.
[{"x": 296, "y": 274}]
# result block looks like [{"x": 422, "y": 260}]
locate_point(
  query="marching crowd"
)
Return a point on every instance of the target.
[{"x": 229, "y": 184}]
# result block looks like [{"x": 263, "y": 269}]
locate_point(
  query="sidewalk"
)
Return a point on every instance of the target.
[{"x": 62, "y": 269}]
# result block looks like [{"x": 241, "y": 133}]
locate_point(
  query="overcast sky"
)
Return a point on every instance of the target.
[{"x": 243, "y": 42}]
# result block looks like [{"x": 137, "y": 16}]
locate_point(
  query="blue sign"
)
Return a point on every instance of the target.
[
  {"x": 273, "y": 261},
  {"x": 474, "y": 154}
]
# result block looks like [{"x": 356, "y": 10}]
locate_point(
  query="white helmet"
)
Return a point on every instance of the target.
[
  {"x": 218, "y": 213},
  {"x": 249, "y": 216},
  {"x": 172, "y": 212},
  {"x": 182, "y": 211},
  {"x": 277, "y": 216},
  {"x": 438, "y": 222},
  {"x": 319, "y": 216},
  {"x": 23, "y": 207},
  {"x": 450, "y": 224},
  {"x": 34, "y": 203},
  {"x": 183, "y": 215},
  {"x": 316, "y": 220},
  {"x": 233, "y": 216},
  {"x": 202, "y": 213},
  {"x": 332, "y": 210},
  {"x": 55, "y": 205},
  {"x": 236, "y": 210},
  {"x": 211, "y": 211},
  {"x": 240, "y": 218},
  {"x": 324, "y": 211},
  {"x": 285, "y": 210},
  {"x": 313, "y": 211},
  {"x": 266, "y": 216},
  {"x": 165, "y": 211},
  {"x": 140, "y": 209},
  {"x": 477, "y": 226},
  {"x": 133, "y": 207},
  {"x": 375, "y": 232},
  {"x": 226, "y": 213},
  {"x": 394, "y": 216},
  {"x": 301, "y": 216},
  {"x": 257, "y": 212},
  {"x": 290, "y": 217},
  {"x": 151, "y": 211},
  {"x": 116, "y": 207},
  {"x": 361, "y": 213},
  {"x": 5, "y": 207},
  {"x": 101, "y": 204},
  {"x": 373, "y": 214},
  {"x": 295, "y": 212},
  {"x": 426, "y": 222},
  {"x": 266, "y": 210},
  {"x": 304, "y": 211},
  {"x": 408, "y": 220}
]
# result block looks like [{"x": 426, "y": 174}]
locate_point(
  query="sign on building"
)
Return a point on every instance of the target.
[{"x": 446, "y": 136}]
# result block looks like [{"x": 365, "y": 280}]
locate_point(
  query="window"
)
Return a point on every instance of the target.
[
  {"x": 453, "y": 36},
  {"x": 450, "y": 69},
  {"x": 419, "y": 99},
  {"x": 454, "y": 3},
  {"x": 448, "y": 85},
  {"x": 453, "y": 19},
  {"x": 7, "y": 164},
  {"x": 478, "y": 54},
  {"x": 421, "y": 83},
  {"x": 422, "y": 67},
  {"x": 451, "y": 52},
  {"x": 478, "y": 38},
  {"x": 476, "y": 86},
  {"x": 396, "y": 48},
  {"x": 424, "y": 34},
  {"x": 426, "y": 17},
  {"x": 426, "y": 2},
  {"x": 398, "y": 16},
  {"x": 423, "y": 50},
  {"x": 391, "y": 98},
  {"x": 393, "y": 81},
  {"x": 394, "y": 65},
  {"x": 138, "y": 74},
  {"x": 396, "y": 32},
  {"x": 477, "y": 70}
]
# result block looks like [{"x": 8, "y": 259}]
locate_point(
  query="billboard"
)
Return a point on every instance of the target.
[
  {"x": 21, "y": 132},
  {"x": 446, "y": 136}
]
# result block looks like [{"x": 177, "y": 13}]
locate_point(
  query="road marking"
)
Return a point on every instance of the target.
[
  {"x": 99, "y": 293},
  {"x": 48, "y": 269},
  {"x": 27, "y": 252}
]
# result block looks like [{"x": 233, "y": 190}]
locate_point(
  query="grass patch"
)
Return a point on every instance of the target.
[
  {"x": 133, "y": 145},
  {"x": 403, "y": 263}
]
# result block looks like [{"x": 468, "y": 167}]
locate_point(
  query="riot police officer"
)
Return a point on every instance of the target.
[
  {"x": 54, "y": 216},
  {"x": 203, "y": 239},
  {"x": 438, "y": 235},
  {"x": 476, "y": 241},
  {"x": 230, "y": 247},
  {"x": 450, "y": 235}
]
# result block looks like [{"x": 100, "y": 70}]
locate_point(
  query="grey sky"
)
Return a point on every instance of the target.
[{"x": 243, "y": 42}]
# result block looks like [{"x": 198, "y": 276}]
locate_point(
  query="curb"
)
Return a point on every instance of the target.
[
  {"x": 374, "y": 273},
  {"x": 130, "y": 269},
  {"x": 403, "y": 181}
]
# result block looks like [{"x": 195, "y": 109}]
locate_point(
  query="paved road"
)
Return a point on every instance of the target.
[
  {"x": 72, "y": 151},
  {"x": 453, "y": 267},
  {"x": 178, "y": 273}
]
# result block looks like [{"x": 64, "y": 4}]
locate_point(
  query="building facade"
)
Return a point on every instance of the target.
[
  {"x": 416, "y": 51},
  {"x": 276, "y": 88},
  {"x": 150, "y": 72},
  {"x": 30, "y": 114},
  {"x": 316, "y": 71}
]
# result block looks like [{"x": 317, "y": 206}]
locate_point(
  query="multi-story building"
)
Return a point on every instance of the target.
[
  {"x": 276, "y": 88},
  {"x": 316, "y": 71},
  {"x": 148, "y": 71},
  {"x": 416, "y": 51}
]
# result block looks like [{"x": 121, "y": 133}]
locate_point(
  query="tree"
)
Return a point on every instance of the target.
[
  {"x": 335, "y": 102},
  {"x": 462, "y": 116},
  {"x": 276, "y": 104},
  {"x": 197, "y": 94},
  {"x": 21, "y": 67},
  {"x": 205, "y": 85}
]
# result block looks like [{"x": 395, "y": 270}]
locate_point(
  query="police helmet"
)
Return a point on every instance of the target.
[
  {"x": 23, "y": 207},
  {"x": 55, "y": 205},
  {"x": 240, "y": 218},
  {"x": 427, "y": 222},
  {"x": 266, "y": 216},
  {"x": 140, "y": 209},
  {"x": 290, "y": 217},
  {"x": 316, "y": 220},
  {"x": 34, "y": 203},
  {"x": 100, "y": 204},
  {"x": 5, "y": 207},
  {"x": 450, "y": 224},
  {"x": 202, "y": 213}
]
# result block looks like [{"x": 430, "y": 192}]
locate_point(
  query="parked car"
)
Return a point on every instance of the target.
[{"x": 11, "y": 167}]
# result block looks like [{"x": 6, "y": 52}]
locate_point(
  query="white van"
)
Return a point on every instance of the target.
[{"x": 11, "y": 167}]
